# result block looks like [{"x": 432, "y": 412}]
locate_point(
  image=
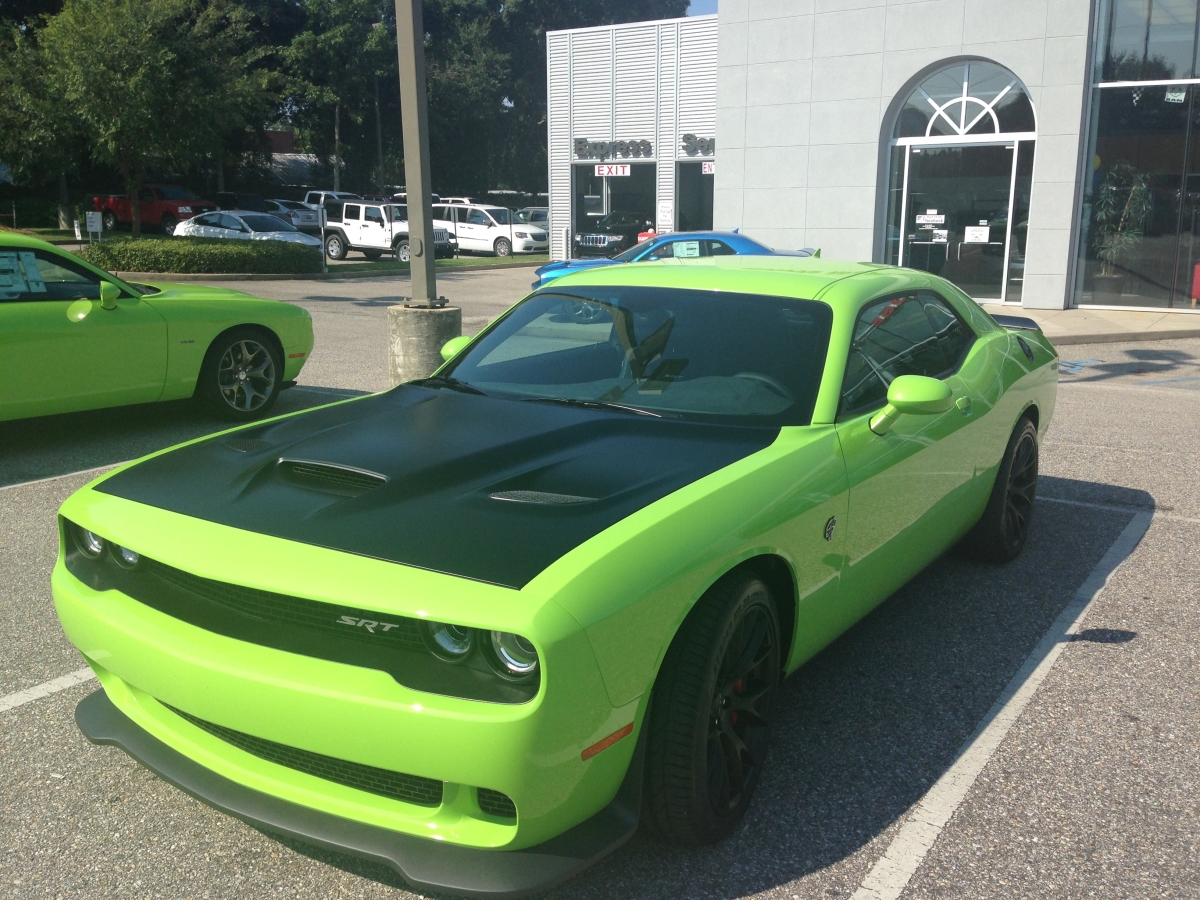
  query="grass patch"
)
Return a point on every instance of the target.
[{"x": 208, "y": 256}]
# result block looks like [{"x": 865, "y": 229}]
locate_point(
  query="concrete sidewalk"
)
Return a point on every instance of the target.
[{"x": 1102, "y": 326}]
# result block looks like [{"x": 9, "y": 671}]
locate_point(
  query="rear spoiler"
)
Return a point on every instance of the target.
[{"x": 1017, "y": 323}]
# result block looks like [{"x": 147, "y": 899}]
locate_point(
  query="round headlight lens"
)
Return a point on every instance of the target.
[
  {"x": 516, "y": 654},
  {"x": 89, "y": 543},
  {"x": 452, "y": 643},
  {"x": 125, "y": 557}
]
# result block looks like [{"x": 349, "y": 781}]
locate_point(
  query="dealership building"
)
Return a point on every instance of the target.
[{"x": 1041, "y": 153}]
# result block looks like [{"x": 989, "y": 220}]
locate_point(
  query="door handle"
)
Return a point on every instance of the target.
[{"x": 964, "y": 405}]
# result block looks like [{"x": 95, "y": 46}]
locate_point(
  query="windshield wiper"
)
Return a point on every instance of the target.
[
  {"x": 593, "y": 404},
  {"x": 445, "y": 381}
]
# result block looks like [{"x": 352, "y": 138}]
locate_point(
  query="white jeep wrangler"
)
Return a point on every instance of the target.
[{"x": 378, "y": 228}]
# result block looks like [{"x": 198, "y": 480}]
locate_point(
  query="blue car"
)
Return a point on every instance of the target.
[{"x": 673, "y": 245}]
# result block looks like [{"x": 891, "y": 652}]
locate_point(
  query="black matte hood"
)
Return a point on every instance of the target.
[{"x": 481, "y": 487}]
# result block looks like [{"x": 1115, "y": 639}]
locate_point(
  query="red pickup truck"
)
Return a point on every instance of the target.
[{"x": 163, "y": 205}]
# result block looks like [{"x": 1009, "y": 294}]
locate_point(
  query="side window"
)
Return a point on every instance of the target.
[
  {"x": 30, "y": 275},
  {"x": 351, "y": 212},
  {"x": 717, "y": 248},
  {"x": 373, "y": 214},
  {"x": 905, "y": 334},
  {"x": 538, "y": 218},
  {"x": 478, "y": 217},
  {"x": 209, "y": 219},
  {"x": 229, "y": 222},
  {"x": 145, "y": 195}
]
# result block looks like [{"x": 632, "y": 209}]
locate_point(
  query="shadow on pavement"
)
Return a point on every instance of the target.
[
  {"x": 864, "y": 729},
  {"x": 1141, "y": 361},
  {"x": 58, "y": 445}
]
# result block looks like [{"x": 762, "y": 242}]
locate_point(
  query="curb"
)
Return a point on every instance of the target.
[
  {"x": 1123, "y": 337},
  {"x": 311, "y": 276}
]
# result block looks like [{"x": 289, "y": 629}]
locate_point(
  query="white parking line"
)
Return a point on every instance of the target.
[
  {"x": 20, "y": 698},
  {"x": 6, "y": 487},
  {"x": 891, "y": 874}
]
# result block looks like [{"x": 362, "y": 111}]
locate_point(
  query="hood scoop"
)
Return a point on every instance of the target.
[
  {"x": 246, "y": 445},
  {"x": 542, "y": 498},
  {"x": 328, "y": 478}
]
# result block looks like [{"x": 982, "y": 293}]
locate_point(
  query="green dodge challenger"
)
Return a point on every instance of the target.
[
  {"x": 74, "y": 337},
  {"x": 473, "y": 626}
]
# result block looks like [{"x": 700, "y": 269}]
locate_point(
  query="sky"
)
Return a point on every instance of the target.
[{"x": 702, "y": 7}]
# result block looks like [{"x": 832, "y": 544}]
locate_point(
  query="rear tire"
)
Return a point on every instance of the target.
[
  {"x": 110, "y": 221},
  {"x": 241, "y": 375},
  {"x": 1001, "y": 532},
  {"x": 168, "y": 224},
  {"x": 503, "y": 247},
  {"x": 335, "y": 246},
  {"x": 709, "y": 719}
]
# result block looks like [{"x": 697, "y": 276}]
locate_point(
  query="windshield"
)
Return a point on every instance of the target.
[
  {"x": 400, "y": 213},
  {"x": 267, "y": 223},
  {"x": 176, "y": 193},
  {"x": 633, "y": 252},
  {"x": 740, "y": 358},
  {"x": 500, "y": 214}
]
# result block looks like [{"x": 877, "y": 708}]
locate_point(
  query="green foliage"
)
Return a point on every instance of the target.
[
  {"x": 1119, "y": 211},
  {"x": 202, "y": 255}
]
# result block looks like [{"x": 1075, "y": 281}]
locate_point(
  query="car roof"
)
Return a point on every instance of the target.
[
  {"x": 781, "y": 276},
  {"x": 16, "y": 239}
]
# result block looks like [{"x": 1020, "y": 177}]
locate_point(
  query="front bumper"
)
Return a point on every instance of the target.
[{"x": 425, "y": 864}]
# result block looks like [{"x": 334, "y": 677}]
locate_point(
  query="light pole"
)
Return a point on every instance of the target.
[{"x": 418, "y": 329}]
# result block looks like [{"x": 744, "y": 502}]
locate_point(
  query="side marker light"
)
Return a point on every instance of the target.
[{"x": 607, "y": 742}]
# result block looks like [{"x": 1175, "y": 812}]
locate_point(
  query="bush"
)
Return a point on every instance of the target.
[{"x": 202, "y": 256}]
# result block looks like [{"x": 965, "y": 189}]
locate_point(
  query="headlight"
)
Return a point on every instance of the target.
[
  {"x": 515, "y": 655},
  {"x": 90, "y": 544},
  {"x": 125, "y": 557},
  {"x": 521, "y": 234},
  {"x": 452, "y": 643},
  {"x": 186, "y": 209},
  {"x": 579, "y": 237}
]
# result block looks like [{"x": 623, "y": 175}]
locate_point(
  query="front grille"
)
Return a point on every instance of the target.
[
  {"x": 284, "y": 609},
  {"x": 497, "y": 804},
  {"x": 384, "y": 782},
  {"x": 330, "y": 477},
  {"x": 594, "y": 240},
  {"x": 441, "y": 236}
]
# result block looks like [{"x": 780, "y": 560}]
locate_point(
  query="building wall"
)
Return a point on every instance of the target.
[
  {"x": 652, "y": 81},
  {"x": 804, "y": 86}
]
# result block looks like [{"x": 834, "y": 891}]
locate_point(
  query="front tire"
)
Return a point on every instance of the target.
[
  {"x": 709, "y": 719},
  {"x": 241, "y": 376},
  {"x": 503, "y": 247},
  {"x": 335, "y": 247},
  {"x": 402, "y": 252},
  {"x": 1001, "y": 532}
]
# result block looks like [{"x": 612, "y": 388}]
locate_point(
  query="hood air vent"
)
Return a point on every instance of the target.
[
  {"x": 329, "y": 478},
  {"x": 246, "y": 445},
  {"x": 542, "y": 497}
]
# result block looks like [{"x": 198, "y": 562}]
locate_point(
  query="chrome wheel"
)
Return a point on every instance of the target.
[
  {"x": 246, "y": 376},
  {"x": 503, "y": 248},
  {"x": 402, "y": 252}
]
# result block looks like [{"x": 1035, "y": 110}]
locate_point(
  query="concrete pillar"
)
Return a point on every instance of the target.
[{"x": 415, "y": 339}]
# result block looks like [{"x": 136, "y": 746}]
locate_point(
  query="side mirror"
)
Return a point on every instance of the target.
[
  {"x": 912, "y": 395},
  {"x": 451, "y": 347},
  {"x": 109, "y": 293}
]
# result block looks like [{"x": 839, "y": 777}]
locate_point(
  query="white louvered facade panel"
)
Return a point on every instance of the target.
[
  {"x": 643, "y": 81},
  {"x": 636, "y": 82},
  {"x": 558, "y": 123},
  {"x": 697, "y": 78},
  {"x": 592, "y": 84}
]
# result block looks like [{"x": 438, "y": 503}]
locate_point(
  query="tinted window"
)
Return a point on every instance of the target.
[
  {"x": 478, "y": 217},
  {"x": 399, "y": 213},
  {"x": 27, "y": 275},
  {"x": 538, "y": 217},
  {"x": 174, "y": 192},
  {"x": 351, "y": 211},
  {"x": 210, "y": 219},
  {"x": 500, "y": 214},
  {"x": 905, "y": 334},
  {"x": 373, "y": 214},
  {"x": 267, "y": 223},
  {"x": 738, "y": 357},
  {"x": 229, "y": 222},
  {"x": 689, "y": 249}
]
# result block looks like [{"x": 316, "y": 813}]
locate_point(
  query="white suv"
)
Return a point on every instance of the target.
[
  {"x": 378, "y": 228},
  {"x": 491, "y": 229}
]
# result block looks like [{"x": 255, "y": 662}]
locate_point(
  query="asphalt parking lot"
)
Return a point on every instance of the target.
[{"x": 1091, "y": 788}]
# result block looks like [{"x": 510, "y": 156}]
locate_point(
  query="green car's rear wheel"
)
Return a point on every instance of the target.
[
  {"x": 709, "y": 721},
  {"x": 1002, "y": 530},
  {"x": 241, "y": 375}
]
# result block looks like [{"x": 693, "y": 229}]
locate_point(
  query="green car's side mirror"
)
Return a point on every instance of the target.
[
  {"x": 109, "y": 293},
  {"x": 452, "y": 346},
  {"x": 912, "y": 395}
]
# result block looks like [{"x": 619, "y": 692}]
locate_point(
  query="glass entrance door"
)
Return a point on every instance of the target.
[{"x": 958, "y": 208}]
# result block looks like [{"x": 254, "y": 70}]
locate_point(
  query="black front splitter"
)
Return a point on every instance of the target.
[{"x": 425, "y": 864}]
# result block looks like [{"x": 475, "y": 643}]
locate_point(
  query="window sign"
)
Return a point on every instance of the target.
[
  {"x": 941, "y": 235},
  {"x": 931, "y": 218},
  {"x": 610, "y": 170},
  {"x": 977, "y": 234},
  {"x": 686, "y": 249},
  {"x": 1176, "y": 94}
]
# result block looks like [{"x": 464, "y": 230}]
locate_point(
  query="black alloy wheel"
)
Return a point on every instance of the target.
[
  {"x": 710, "y": 714},
  {"x": 1002, "y": 530},
  {"x": 242, "y": 374},
  {"x": 503, "y": 247},
  {"x": 335, "y": 247}
]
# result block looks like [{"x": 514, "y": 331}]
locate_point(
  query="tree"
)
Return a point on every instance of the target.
[{"x": 153, "y": 80}]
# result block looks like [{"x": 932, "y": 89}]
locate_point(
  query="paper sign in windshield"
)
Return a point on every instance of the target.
[
  {"x": 686, "y": 249},
  {"x": 19, "y": 274}
]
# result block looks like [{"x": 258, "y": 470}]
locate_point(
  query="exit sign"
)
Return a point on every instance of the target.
[{"x": 612, "y": 171}]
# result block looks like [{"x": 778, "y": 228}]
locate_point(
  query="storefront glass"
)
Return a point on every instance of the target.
[
  {"x": 1138, "y": 243},
  {"x": 693, "y": 197}
]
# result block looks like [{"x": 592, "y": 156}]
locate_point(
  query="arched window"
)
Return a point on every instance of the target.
[{"x": 960, "y": 155}]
